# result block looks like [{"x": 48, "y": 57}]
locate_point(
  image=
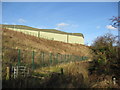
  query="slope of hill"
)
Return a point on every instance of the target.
[
  {"x": 13, "y": 39},
  {"x": 76, "y": 74}
]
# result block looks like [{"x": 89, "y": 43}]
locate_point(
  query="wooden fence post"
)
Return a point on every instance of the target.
[
  {"x": 43, "y": 58},
  {"x": 8, "y": 73},
  {"x": 18, "y": 56},
  {"x": 50, "y": 58},
  {"x": 56, "y": 58},
  {"x": 33, "y": 53}
]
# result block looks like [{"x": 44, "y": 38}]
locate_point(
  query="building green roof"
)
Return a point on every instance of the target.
[{"x": 44, "y": 30}]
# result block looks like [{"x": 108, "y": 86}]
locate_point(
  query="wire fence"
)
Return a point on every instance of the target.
[{"x": 37, "y": 59}]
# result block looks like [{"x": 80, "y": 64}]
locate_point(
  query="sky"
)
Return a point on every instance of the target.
[{"x": 89, "y": 18}]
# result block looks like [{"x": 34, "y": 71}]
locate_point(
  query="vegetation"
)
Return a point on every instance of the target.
[
  {"x": 97, "y": 72},
  {"x": 106, "y": 61},
  {"x": 52, "y": 77},
  {"x": 13, "y": 39},
  {"x": 115, "y": 21},
  {"x": 106, "y": 56},
  {"x": 44, "y": 77},
  {"x": 106, "y": 50}
]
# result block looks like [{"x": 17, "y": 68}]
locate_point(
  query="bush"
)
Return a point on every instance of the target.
[{"x": 106, "y": 57}]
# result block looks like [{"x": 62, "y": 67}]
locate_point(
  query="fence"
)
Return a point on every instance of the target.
[{"x": 35, "y": 60}]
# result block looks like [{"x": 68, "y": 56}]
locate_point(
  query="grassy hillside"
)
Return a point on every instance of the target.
[
  {"x": 74, "y": 72},
  {"x": 15, "y": 39}
]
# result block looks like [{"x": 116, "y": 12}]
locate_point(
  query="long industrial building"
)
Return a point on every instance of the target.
[{"x": 50, "y": 34}]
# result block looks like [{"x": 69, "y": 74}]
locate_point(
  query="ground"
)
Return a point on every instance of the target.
[{"x": 65, "y": 75}]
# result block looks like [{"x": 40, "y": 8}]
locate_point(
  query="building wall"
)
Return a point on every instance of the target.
[
  {"x": 75, "y": 39},
  {"x": 53, "y": 36}
]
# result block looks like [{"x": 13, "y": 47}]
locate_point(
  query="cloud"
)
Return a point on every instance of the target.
[
  {"x": 110, "y": 27},
  {"x": 21, "y": 20},
  {"x": 61, "y": 25},
  {"x": 98, "y": 27}
]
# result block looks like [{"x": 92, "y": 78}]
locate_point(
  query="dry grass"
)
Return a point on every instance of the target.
[
  {"x": 75, "y": 73},
  {"x": 15, "y": 39}
]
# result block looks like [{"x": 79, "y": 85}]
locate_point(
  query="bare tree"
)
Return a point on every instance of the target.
[{"x": 116, "y": 23}]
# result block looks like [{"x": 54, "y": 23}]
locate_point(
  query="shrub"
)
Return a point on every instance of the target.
[{"x": 106, "y": 57}]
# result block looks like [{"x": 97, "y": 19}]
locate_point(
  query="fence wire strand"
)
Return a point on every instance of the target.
[{"x": 34, "y": 59}]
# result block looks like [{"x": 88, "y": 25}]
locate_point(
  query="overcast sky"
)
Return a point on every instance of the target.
[{"x": 89, "y": 18}]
